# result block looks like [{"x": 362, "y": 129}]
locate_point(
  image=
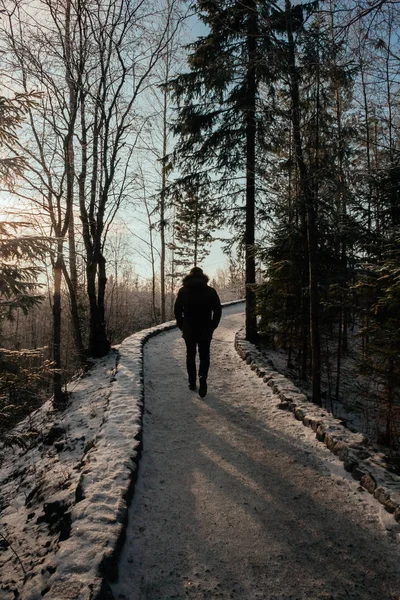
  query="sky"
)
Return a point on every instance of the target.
[
  {"x": 131, "y": 222},
  {"x": 216, "y": 258}
]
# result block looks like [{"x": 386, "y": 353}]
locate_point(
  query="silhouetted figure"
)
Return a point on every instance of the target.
[{"x": 198, "y": 313}]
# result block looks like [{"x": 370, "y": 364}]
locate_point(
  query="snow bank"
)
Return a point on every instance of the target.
[
  {"x": 41, "y": 486},
  {"x": 90, "y": 554},
  {"x": 363, "y": 460},
  {"x": 64, "y": 501}
]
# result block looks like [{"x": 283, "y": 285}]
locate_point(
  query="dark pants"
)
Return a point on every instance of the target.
[{"x": 204, "y": 353}]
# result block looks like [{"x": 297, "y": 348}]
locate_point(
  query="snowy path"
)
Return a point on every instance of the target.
[{"x": 236, "y": 499}]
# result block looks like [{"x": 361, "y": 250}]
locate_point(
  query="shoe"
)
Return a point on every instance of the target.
[
  {"x": 192, "y": 385},
  {"x": 202, "y": 387}
]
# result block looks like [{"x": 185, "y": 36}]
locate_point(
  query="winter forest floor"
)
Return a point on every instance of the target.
[{"x": 236, "y": 499}]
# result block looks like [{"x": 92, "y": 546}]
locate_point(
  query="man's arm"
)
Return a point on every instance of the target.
[
  {"x": 178, "y": 309},
  {"x": 217, "y": 309}
]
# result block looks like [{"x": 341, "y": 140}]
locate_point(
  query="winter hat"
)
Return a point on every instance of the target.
[{"x": 196, "y": 271}]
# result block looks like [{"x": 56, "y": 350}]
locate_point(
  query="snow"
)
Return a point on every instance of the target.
[
  {"x": 30, "y": 480},
  {"x": 237, "y": 499},
  {"x": 64, "y": 504},
  {"x": 64, "y": 501},
  {"x": 365, "y": 460}
]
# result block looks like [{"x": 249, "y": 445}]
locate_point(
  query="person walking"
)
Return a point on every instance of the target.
[{"x": 197, "y": 312}]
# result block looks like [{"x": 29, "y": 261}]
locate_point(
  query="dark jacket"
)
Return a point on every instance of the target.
[{"x": 197, "y": 308}]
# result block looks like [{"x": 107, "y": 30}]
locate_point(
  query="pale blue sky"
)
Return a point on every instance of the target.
[{"x": 216, "y": 258}]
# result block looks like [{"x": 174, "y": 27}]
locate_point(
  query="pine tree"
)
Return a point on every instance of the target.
[
  {"x": 12, "y": 114},
  {"x": 23, "y": 373},
  {"x": 381, "y": 362},
  {"x": 195, "y": 219},
  {"x": 20, "y": 379},
  {"x": 18, "y": 278},
  {"x": 222, "y": 118}
]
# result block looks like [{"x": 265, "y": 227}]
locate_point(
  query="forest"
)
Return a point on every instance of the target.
[{"x": 151, "y": 128}]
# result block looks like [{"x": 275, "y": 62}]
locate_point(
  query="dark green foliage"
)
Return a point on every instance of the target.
[
  {"x": 352, "y": 162},
  {"x": 18, "y": 279},
  {"x": 224, "y": 114},
  {"x": 23, "y": 374},
  {"x": 381, "y": 362},
  {"x": 12, "y": 113},
  {"x": 196, "y": 217},
  {"x": 212, "y": 97},
  {"x": 279, "y": 299},
  {"x": 312, "y": 210}
]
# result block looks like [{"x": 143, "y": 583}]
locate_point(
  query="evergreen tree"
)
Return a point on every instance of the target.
[
  {"x": 195, "y": 219},
  {"x": 20, "y": 375},
  {"x": 280, "y": 298},
  {"x": 18, "y": 278},
  {"x": 307, "y": 254},
  {"x": 222, "y": 116},
  {"x": 23, "y": 373},
  {"x": 381, "y": 361},
  {"x": 12, "y": 114}
]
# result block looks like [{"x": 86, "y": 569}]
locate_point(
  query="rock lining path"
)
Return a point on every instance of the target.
[{"x": 236, "y": 499}]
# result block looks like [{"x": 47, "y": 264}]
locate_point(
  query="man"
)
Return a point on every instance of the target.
[{"x": 198, "y": 313}]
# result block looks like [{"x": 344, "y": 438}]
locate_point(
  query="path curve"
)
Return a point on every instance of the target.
[{"x": 236, "y": 499}]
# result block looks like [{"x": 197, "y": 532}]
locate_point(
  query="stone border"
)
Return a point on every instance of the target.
[
  {"x": 364, "y": 461},
  {"x": 98, "y": 526}
]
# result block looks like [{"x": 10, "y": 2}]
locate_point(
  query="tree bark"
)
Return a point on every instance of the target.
[
  {"x": 196, "y": 229},
  {"x": 310, "y": 214},
  {"x": 76, "y": 326},
  {"x": 99, "y": 344},
  {"x": 57, "y": 379},
  {"x": 153, "y": 262},
  {"x": 162, "y": 206},
  {"x": 251, "y": 89},
  {"x": 71, "y": 277}
]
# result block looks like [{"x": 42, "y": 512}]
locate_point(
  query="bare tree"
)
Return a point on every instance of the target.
[
  {"x": 92, "y": 62},
  {"x": 158, "y": 140},
  {"x": 120, "y": 49},
  {"x": 48, "y": 178}
]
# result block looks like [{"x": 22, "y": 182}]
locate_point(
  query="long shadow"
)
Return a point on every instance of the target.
[
  {"x": 311, "y": 522},
  {"x": 253, "y": 532}
]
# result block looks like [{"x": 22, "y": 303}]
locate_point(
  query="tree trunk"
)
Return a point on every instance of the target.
[
  {"x": 196, "y": 230},
  {"x": 98, "y": 342},
  {"x": 310, "y": 214},
  {"x": 394, "y": 210},
  {"x": 71, "y": 277},
  {"x": 173, "y": 275},
  {"x": 76, "y": 327},
  {"x": 162, "y": 207},
  {"x": 251, "y": 89},
  {"x": 154, "y": 315},
  {"x": 57, "y": 379},
  {"x": 341, "y": 207},
  {"x": 368, "y": 145},
  {"x": 102, "y": 339},
  {"x": 153, "y": 275},
  {"x": 305, "y": 298},
  {"x": 305, "y": 333},
  {"x": 339, "y": 357}
]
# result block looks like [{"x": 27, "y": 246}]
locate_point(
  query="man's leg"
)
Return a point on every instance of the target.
[
  {"x": 204, "y": 353},
  {"x": 191, "y": 362}
]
